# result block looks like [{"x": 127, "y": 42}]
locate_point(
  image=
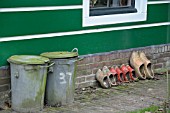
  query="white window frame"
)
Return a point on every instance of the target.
[{"x": 140, "y": 15}]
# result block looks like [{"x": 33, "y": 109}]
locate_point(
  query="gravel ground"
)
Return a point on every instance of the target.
[{"x": 124, "y": 98}]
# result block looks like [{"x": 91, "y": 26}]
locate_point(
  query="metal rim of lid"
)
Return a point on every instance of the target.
[
  {"x": 61, "y": 54},
  {"x": 28, "y": 59}
]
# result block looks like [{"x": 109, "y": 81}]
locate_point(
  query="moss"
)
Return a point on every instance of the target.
[
  {"x": 61, "y": 54},
  {"x": 28, "y": 59},
  {"x": 122, "y": 87},
  {"x": 39, "y": 98},
  {"x": 151, "y": 109}
]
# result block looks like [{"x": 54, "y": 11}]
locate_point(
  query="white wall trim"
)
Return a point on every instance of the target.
[
  {"x": 159, "y": 2},
  {"x": 4, "y": 39},
  {"x": 20, "y": 9}
]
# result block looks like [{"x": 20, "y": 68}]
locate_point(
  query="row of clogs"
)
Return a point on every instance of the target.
[
  {"x": 142, "y": 66},
  {"x": 115, "y": 75},
  {"x": 124, "y": 74}
]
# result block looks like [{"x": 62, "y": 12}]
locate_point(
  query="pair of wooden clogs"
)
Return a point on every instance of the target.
[
  {"x": 115, "y": 75},
  {"x": 142, "y": 66}
]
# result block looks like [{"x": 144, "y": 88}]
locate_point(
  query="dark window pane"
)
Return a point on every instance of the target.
[
  {"x": 106, "y": 7},
  {"x": 109, "y": 3}
]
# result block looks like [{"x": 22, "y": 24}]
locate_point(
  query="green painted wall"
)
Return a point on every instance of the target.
[
  {"x": 33, "y": 3},
  {"x": 42, "y": 22},
  {"x": 168, "y": 32},
  {"x": 87, "y": 43}
]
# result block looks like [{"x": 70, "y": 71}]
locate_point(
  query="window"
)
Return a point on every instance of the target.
[
  {"x": 107, "y": 7},
  {"x": 101, "y": 12}
]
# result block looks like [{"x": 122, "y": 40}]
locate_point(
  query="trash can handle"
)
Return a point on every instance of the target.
[
  {"x": 75, "y": 50},
  {"x": 52, "y": 63}
]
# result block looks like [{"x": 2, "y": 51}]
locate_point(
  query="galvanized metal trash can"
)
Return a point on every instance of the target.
[
  {"x": 28, "y": 82},
  {"x": 61, "y": 79}
]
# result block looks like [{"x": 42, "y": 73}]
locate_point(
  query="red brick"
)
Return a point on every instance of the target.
[
  {"x": 80, "y": 79},
  {"x": 155, "y": 56},
  {"x": 160, "y": 49},
  {"x": 4, "y": 95},
  {"x": 168, "y": 47},
  {"x": 96, "y": 65},
  {"x": 85, "y": 60},
  {"x": 4, "y": 88},
  {"x": 4, "y": 72},
  {"x": 127, "y": 54},
  {"x": 105, "y": 57},
  {"x": 153, "y": 61},
  {"x": 114, "y": 55},
  {"x": 147, "y": 50},
  {"x": 83, "y": 67},
  {"x": 120, "y": 61},
  {"x": 86, "y": 84},
  {"x": 165, "y": 54},
  {"x": 157, "y": 66},
  {"x": 84, "y": 72},
  {"x": 160, "y": 60},
  {"x": 97, "y": 58},
  {"x": 90, "y": 77},
  {"x": 5, "y": 81},
  {"x": 95, "y": 70}
]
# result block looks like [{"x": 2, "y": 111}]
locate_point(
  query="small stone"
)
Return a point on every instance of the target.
[
  {"x": 161, "y": 109},
  {"x": 83, "y": 89},
  {"x": 147, "y": 112},
  {"x": 150, "y": 89}
]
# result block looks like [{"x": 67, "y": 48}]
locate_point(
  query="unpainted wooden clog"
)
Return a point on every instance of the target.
[
  {"x": 138, "y": 65},
  {"x": 103, "y": 79},
  {"x": 147, "y": 65}
]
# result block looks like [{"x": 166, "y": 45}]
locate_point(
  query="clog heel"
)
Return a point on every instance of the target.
[
  {"x": 119, "y": 75},
  {"x": 132, "y": 74},
  {"x": 113, "y": 71},
  {"x": 125, "y": 71},
  {"x": 111, "y": 77}
]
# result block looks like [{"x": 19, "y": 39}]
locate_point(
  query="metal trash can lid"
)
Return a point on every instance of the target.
[
  {"x": 28, "y": 59},
  {"x": 61, "y": 54}
]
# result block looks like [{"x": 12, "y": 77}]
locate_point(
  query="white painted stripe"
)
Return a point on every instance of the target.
[
  {"x": 21, "y": 9},
  {"x": 3, "y": 39},
  {"x": 159, "y": 2},
  {"x": 40, "y": 8}
]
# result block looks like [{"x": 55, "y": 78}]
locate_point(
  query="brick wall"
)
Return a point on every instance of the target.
[
  {"x": 86, "y": 70},
  {"x": 4, "y": 85},
  {"x": 159, "y": 56}
]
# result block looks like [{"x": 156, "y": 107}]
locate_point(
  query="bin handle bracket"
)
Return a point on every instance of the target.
[
  {"x": 75, "y": 50},
  {"x": 16, "y": 74}
]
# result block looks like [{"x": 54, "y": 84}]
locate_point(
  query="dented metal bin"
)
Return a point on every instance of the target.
[
  {"x": 61, "y": 78},
  {"x": 28, "y": 82}
]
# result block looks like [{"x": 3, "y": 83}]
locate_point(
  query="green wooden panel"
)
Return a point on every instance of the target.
[
  {"x": 40, "y": 22},
  {"x": 168, "y": 32},
  {"x": 32, "y": 3},
  {"x": 99, "y": 42}
]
